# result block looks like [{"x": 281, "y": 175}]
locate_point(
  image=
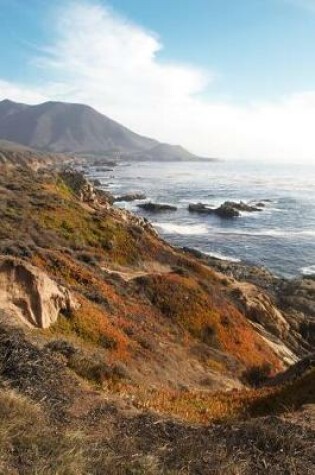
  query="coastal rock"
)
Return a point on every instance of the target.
[
  {"x": 135, "y": 221},
  {"x": 229, "y": 209},
  {"x": 226, "y": 210},
  {"x": 241, "y": 206},
  {"x": 29, "y": 294},
  {"x": 200, "y": 208},
  {"x": 130, "y": 197},
  {"x": 104, "y": 198},
  {"x": 87, "y": 193},
  {"x": 156, "y": 207},
  {"x": 297, "y": 298},
  {"x": 103, "y": 169},
  {"x": 259, "y": 308},
  {"x": 223, "y": 211},
  {"x": 85, "y": 190}
]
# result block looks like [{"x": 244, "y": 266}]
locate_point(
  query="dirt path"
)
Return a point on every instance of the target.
[{"x": 129, "y": 273}]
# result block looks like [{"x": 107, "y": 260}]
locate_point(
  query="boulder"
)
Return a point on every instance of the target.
[
  {"x": 30, "y": 294},
  {"x": 241, "y": 206},
  {"x": 156, "y": 207},
  {"x": 200, "y": 208},
  {"x": 229, "y": 209},
  {"x": 224, "y": 211},
  {"x": 130, "y": 197}
]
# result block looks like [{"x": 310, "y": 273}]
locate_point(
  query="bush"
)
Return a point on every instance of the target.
[
  {"x": 96, "y": 370},
  {"x": 257, "y": 375}
]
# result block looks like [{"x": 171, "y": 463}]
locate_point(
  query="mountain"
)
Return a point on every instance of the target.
[{"x": 74, "y": 128}]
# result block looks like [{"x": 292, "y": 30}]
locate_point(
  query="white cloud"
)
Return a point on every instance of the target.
[
  {"x": 20, "y": 93},
  {"x": 102, "y": 59}
]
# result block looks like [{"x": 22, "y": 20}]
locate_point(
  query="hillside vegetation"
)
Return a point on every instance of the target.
[{"x": 153, "y": 347}]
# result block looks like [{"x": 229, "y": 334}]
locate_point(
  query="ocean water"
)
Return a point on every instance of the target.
[{"x": 281, "y": 237}]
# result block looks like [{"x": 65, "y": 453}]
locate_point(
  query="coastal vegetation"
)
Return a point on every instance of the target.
[{"x": 158, "y": 360}]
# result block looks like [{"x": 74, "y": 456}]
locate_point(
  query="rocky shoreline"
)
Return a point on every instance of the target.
[
  {"x": 293, "y": 297},
  {"x": 155, "y": 356}
]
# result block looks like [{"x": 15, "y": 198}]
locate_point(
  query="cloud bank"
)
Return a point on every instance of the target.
[{"x": 106, "y": 61}]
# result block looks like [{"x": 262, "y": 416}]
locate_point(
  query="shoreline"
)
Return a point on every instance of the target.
[{"x": 211, "y": 257}]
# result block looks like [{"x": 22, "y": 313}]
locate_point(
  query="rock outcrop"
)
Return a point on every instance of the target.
[
  {"x": 267, "y": 319},
  {"x": 241, "y": 206},
  {"x": 29, "y": 294},
  {"x": 259, "y": 308},
  {"x": 130, "y": 197},
  {"x": 228, "y": 209},
  {"x": 200, "y": 208},
  {"x": 85, "y": 190},
  {"x": 156, "y": 207}
]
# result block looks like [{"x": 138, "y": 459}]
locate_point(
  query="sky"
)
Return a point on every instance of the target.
[{"x": 224, "y": 78}]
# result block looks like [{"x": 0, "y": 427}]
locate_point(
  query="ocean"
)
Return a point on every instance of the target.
[{"x": 280, "y": 238}]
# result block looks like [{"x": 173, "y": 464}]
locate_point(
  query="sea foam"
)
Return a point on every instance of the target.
[
  {"x": 222, "y": 257},
  {"x": 309, "y": 270},
  {"x": 184, "y": 229}
]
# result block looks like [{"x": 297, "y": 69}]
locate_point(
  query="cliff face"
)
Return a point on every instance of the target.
[
  {"x": 101, "y": 320},
  {"x": 30, "y": 294}
]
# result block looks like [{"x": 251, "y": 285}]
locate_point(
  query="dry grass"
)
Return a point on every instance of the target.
[
  {"x": 29, "y": 445},
  {"x": 202, "y": 407},
  {"x": 194, "y": 406}
]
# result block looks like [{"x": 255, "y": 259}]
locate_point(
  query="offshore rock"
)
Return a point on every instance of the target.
[
  {"x": 156, "y": 207},
  {"x": 130, "y": 197}
]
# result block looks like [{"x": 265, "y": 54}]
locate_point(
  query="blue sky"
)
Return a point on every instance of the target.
[{"x": 240, "y": 61}]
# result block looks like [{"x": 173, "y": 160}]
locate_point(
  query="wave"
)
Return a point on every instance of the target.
[
  {"x": 202, "y": 229},
  {"x": 270, "y": 232},
  {"x": 222, "y": 257},
  {"x": 183, "y": 229},
  {"x": 308, "y": 270}
]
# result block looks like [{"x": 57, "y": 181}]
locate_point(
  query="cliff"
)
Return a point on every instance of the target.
[{"x": 109, "y": 332}]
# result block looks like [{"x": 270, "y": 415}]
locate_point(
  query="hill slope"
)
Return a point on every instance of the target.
[
  {"x": 75, "y": 128},
  {"x": 13, "y": 154},
  {"x": 107, "y": 333}
]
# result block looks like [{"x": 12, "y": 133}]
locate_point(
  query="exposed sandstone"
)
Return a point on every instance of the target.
[
  {"x": 258, "y": 307},
  {"x": 29, "y": 294}
]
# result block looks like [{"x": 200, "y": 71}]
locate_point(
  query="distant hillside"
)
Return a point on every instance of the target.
[
  {"x": 16, "y": 154},
  {"x": 166, "y": 152},
  {"x": 75, "y": 128}
]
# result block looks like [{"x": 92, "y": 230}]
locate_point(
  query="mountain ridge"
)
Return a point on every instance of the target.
[{"x": 61, "y": 127}]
